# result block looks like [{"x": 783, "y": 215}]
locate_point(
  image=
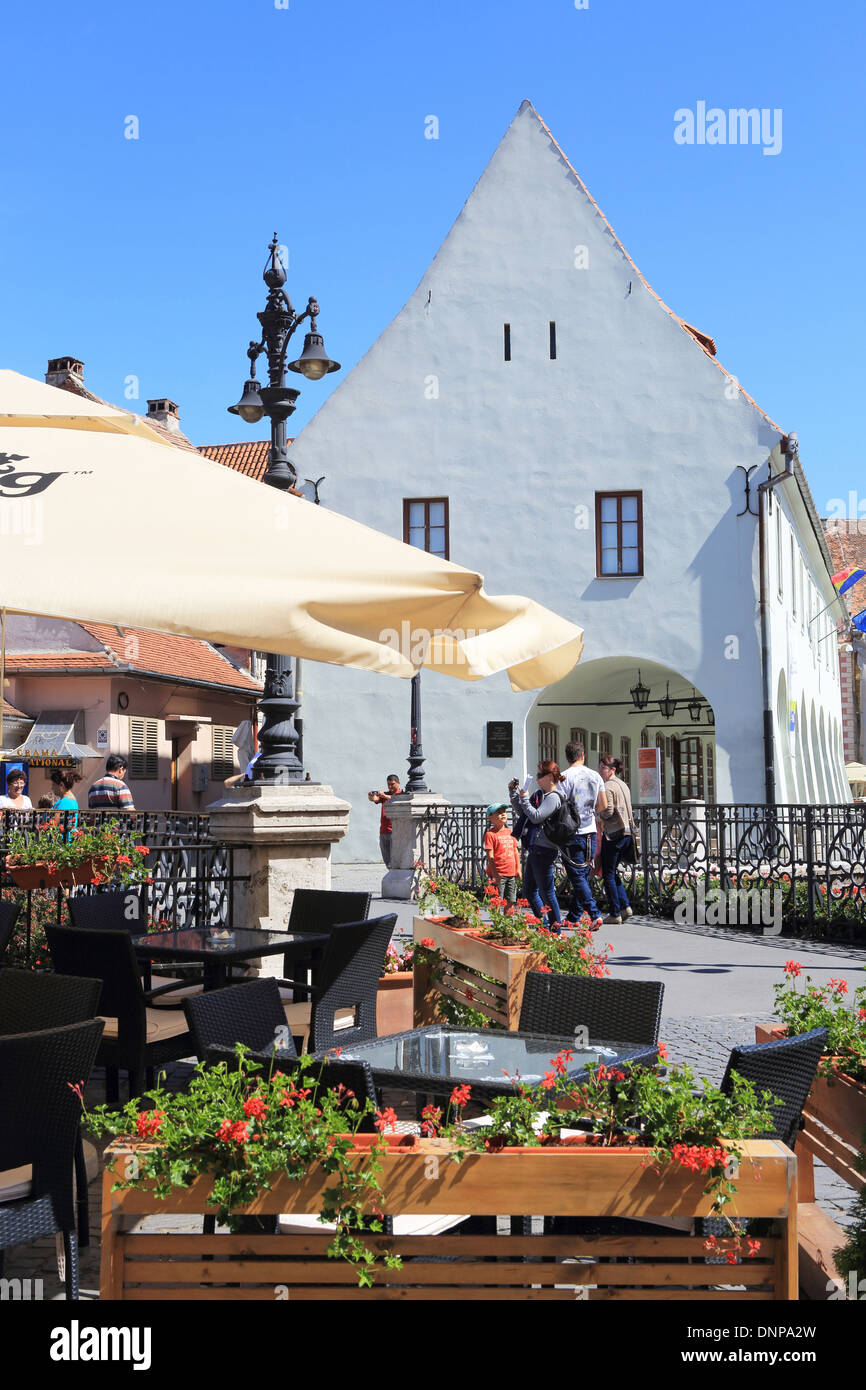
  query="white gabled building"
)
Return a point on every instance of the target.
[{"x": 537, "y": 413}]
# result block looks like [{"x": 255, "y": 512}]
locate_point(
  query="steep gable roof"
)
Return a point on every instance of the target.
[{"x": 249, "y": 458}]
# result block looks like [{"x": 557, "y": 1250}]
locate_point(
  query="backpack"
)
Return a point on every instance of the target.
[{"x": 563, "y": 826}]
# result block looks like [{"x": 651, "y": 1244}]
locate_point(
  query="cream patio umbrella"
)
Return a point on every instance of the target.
[{"x": 176, "y": 542}]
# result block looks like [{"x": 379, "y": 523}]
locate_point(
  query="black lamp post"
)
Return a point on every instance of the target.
[
  {"x": 278, "y": 737},
  {"x": 416, "y": 781},
  {"x": 667, "y": 705},
  {"x": 640, "y": 694}
]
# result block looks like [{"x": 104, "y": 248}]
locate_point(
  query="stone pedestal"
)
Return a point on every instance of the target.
[
  {"x": 281, "y": 837},
  {"x": 407, "y": 815}
]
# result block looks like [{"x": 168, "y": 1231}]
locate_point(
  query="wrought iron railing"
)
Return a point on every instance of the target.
[
  {"x": 191, "y": 877},
  {"x": 702, "y": 861}
]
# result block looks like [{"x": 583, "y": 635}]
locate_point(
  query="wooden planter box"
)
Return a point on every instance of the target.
[
  {"x": 575, "y": 1182},
  {"x": 395, "y": 1003},
  {"x": 835, "y": 1116},
  {"x": 468, "y": 961}
]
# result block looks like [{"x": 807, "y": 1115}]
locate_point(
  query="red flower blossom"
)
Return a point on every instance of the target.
[
  {"x": 861, "y": 1014},
  {"x": 544, "y": 969},
  {"x": 431, "y": 1120},
  {"x": 663, "y": 1051},
  {"x": 793, "y": 967},
  {"x": 549, "y": 1081},
  {"x": 141, "y": 849},
  {"x": 123, "y": 859},
  {"x": 233, "y": 1132},
  {"x": 428, "y": 942},
  {"x": 386, "y": 1119},
  {"x": 840, "y": 986},
  {"x": 460, "y": 1096},
  {"x": 148, "y": 1122},
  {"x": 523, "y": 902},
  {"x": 254, "y": 1108},
  {"x": 78, "y": 1086}
]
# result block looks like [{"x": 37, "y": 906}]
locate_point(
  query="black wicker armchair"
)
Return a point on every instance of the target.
[
  {"x": 626, "y": 1011},
  {"x": 251, "y": 1014},
  {"x": 137, "y": 1038},
  {"x": 8, "y": 918},
  {"x": 31, "y": 1002},
  {"x": 343, "y": 1008},
  {"x": 318, "y": 910},
  {"x": 40, "y": 1125},
  {"x": 786, "y": 1067}
]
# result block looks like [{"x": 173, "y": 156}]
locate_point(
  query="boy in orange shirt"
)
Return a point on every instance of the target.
[{"x": 503, "y": 853}]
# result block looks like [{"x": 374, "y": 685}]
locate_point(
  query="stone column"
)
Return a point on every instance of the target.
[
  {"x": 281, "y": 837},
  {"x": 406, "y": 814}
]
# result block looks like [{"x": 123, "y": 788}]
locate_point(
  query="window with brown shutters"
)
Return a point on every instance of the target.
[
  {"x": 660, "y": 745},
  {"x": 690, "y": 769},
  {"x": 625, "y": 758},
  {"x": 143, "y": 750},
  {"x": 222, "y": 760},
  {"x": 548, "y": 738}
]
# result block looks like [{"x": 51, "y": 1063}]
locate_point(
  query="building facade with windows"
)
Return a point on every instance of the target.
[
  {"x": 170, "y": 705},
  {"x": 536, "y": 412}
]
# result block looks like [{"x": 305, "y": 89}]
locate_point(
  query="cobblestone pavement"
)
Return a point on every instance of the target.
[{"x": 704, "y": 969}]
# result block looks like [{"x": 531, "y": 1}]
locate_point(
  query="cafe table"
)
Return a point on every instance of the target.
[
  {"x": 217, "y": 950},
  {"x": 438, "y": 1057}
]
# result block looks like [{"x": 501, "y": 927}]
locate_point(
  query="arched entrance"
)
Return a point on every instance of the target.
[{"x": 594, "y": 706}]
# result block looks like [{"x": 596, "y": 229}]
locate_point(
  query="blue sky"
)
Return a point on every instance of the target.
[{"x": 143, "y": 257}]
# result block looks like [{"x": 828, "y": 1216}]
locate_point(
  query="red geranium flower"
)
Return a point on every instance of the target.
[
  {"x": 428, "y": 942},
  {"x": 793, "y": 967},
  {"x": 460, "y": 1096},
  {"x": 840, "y": 986},
  {"x": 233, "y": 1131},
  {"x": 385, "y": 1119},
  {"x": 663, "y": 1051},
  {"x": 148, "y": 1122},
  {"x": 141, "y": 849},
  {"x": 254, "y": 1108}
]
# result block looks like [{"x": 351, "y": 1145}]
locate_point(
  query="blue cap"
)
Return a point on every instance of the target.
[{"x": 496, "y": 806}]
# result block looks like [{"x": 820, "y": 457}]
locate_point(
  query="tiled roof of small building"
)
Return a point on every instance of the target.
[
  {"x": 846, "y": 539},
  {"x": 249, "y": 458},
  {"x": 184, "y": 659}
]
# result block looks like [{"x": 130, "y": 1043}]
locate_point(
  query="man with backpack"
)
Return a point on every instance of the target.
[{"x": 585, "y": 791}]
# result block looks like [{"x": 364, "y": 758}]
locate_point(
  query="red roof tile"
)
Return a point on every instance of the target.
[
  {"x": 847, "y": 543},
  {"x": 10, "y": 712},
  {"x": 149, "y": 653},
  {"x": 176, "y": 437},
  {"x": 249, "y": 458}
]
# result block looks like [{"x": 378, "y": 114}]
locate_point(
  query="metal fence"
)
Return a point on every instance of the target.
[
  {"x": 191, "y": 877},
  {"x": 699, "y": 862}
]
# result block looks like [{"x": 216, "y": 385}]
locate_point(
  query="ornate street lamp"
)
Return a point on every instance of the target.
[
  {"x": 278, "y": 737},
  {"x": 667, "y": 706},
  {"x": 694, "y": 708},
  {"x": 640, "y": 693},
  {"x": 711, "y": 717}
]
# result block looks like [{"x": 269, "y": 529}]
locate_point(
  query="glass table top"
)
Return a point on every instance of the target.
[
  {"x": 460, "y": 1054},
  {"x": 214, "y": 941}
]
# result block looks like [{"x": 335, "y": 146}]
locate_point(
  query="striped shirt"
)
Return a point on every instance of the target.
[{"x": 110, "y": 792}]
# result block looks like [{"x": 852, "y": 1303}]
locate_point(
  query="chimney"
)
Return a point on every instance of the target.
[
  {"x": 164, "y": 412},
  {"x": 66, "y": 372}
]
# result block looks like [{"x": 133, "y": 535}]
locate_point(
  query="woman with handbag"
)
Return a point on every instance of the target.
[{"x": 617, "y": 837}]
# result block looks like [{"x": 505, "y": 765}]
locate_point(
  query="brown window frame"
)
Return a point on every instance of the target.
[
  {"x": 625, "y": 756},
  {"x": 544, "y": 727},
  {"x": 605, "y": 745},
  {"x": 620, "y": 574},
  {"x": 407, "y": 503}
]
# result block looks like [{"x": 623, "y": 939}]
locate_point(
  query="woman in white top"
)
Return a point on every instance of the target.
[{"x": 15, "y": 800}]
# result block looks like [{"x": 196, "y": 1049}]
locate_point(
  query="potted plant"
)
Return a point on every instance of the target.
[
  {"x": 50, "y": 855},
  {"x": 242, "y": 1130},
  {"x": 395, "y": 994}
]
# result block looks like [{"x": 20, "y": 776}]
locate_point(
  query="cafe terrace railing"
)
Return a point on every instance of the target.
[
  {"x": 191, "y": 876},
  {"x": 813, "y": 856}
]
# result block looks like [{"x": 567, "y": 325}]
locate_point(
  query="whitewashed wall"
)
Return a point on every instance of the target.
[{"x": 520, "y": 448}]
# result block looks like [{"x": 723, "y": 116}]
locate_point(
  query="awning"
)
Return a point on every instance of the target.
[{"x": 57, "y": 740}]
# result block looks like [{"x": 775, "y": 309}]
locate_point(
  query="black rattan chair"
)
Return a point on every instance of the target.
[
  {"x": 786, "y": 1067},
  {"x": 30, "y": 1002},
  {"x": 8, "y": 917},
  {"x": 40, "y": 1126},
  {"x": 318, "y": 910},
  {"x": 251, "y": 1014},
  {"x": 137, "y": 1038},
  {"x": 122, "y": 910},
  {"x": 626, "y": 1011},
  {"x": 347, "y": 979}
]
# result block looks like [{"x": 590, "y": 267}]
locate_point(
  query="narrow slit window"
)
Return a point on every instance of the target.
[
  {"x": 552, "y": 341},
  {"x": 507, "y": 341}
]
